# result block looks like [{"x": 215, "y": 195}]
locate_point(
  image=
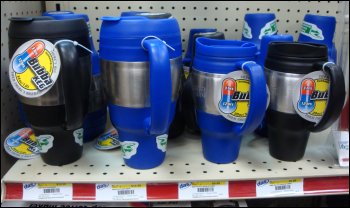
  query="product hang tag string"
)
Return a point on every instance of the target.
[
  {"x": 74, "y": 43},
  {"x": 152, "y": 36}
]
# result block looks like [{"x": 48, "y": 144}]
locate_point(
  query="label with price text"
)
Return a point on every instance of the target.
[
  {"x": 266, "y": 188},
  {"x": 203, "y": 190},
  {"x": 121, "y": 192},
  {"x": 47, "y": 192}
]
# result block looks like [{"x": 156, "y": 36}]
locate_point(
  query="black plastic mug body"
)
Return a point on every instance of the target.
[
  {"x": 60, "y": 112},
  {"x": 285, "y": 65}
]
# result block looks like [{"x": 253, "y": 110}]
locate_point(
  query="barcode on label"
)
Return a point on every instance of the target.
[
  {"x": 201, "y": 190},
  {"x": 51, "y": 191},
  {"x": 282, "y": 187},
  {"x": 126, "y": 192}
]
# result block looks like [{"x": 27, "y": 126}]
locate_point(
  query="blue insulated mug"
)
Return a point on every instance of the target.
[
  {"x": 141, "y": 70},
  {"x": 214, "y": 59},
  {"x": 95, "y": 120},
  {"x": 178, "y": 125},
  {"x": 319, "y": 29},
  {"x": 186, "y": 98},
  {"x": 256, "y": 25}
]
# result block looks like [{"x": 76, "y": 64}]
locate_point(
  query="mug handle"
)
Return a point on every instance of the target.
[
  {"x": 258, "y": 98},
  {"x": 75, "y": 82},
  {"x": 160, "y": 87},
  {"x": 336, "y": 95}
]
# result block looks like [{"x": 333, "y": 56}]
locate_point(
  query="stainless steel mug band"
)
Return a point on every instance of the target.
[
  {"x": 281, "y": 87},
  {"x": 203, "y": 90},
  {"x": 127, "y": 83}
]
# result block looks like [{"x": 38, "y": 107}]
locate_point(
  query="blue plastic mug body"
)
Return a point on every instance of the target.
[
  {"x": 141, "y": 77},
  {"x": 319, "y": 29},
  {"x": 95, "y": 121},
  {"x": 256, "y": 25},
  {"x": 214, "y": 59}
]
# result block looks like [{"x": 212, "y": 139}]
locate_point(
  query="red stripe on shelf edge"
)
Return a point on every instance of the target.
[
  {"x": 326, "y": 185},
  {"x": 162, "y": 191},
  {"x": 84, "y": 191},
  {"x": 14, "y": 191},
  {"x": 242, "y": 189}
]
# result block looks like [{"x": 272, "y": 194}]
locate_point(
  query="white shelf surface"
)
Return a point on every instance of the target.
[{"x": 184, "y": 163}]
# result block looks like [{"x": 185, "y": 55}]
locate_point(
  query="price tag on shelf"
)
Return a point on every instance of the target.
[
  {"x": 266, "y": 188},
  {"x": 121, "y": 192},
  {"x": 47, "y": 192},
  {"x": 203, "y": 190}
]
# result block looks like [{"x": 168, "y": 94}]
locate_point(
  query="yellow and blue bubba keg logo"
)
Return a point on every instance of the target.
[
  {"x": 311, "y": 96},
  {"x": 233, "y": 101},
  {"x": 34, "y": 68}
]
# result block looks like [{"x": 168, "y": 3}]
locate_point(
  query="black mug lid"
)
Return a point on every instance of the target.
[
  {"x": 29, "y": 19},
  {"x": 297, "y": 50},
  {"x": 47, "y": 28},
  {"x": 295, "y": 57},
  {"x": 22, "y": 29}
]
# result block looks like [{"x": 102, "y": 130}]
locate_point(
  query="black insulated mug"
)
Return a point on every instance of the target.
[
  {"x": 59, "y": 112},
  {"x": 285, "y": 65}
]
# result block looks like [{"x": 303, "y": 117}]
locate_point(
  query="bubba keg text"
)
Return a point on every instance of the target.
[
  {"x": 42, "y": 80},
  {"x": 317, "y": 95},
  {"x": 240, "y": 96}
]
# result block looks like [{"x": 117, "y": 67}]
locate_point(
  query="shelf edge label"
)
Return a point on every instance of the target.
[
  {"x": 203, "y": 190},
  {"x": 121, "y": 192},
  {"x": 47, "y": 192},
  {"x": 267, "y": 188}
]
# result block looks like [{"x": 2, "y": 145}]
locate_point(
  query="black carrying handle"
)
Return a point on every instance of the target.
[
  {"x": 73, "y": 89},
  {"x": 336, "y": 95}
]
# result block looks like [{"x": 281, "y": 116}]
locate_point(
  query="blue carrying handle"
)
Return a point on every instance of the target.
[
  {"x": 258, "y": 98},
  {"x": 160, "y": 87}
]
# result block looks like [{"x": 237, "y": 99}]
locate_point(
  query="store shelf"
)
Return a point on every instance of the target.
[{"x": 185, "y": 163}]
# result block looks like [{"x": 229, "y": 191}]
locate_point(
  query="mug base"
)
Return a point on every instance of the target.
[
  {"x": 220, "y": 150},
  {"x": 141, "y": 151},
  {"x": 287, "y": 145}
]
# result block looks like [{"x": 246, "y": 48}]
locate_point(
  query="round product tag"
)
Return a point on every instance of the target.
[
  {"x": 310, "y": 96},
  {"x": 22, "y": 144},
  {"x": 108, "y": 140},
  {"x": 34, "y": 68},
  {"x": 232, "y": 97}
]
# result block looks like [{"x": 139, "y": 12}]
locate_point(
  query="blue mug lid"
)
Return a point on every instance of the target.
[
  {"x": 225, "y": 48},
  {"x": 62, "y": 15},
  {"x": 222, "y": 56},
  {"x": 120, "y": 37}
]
